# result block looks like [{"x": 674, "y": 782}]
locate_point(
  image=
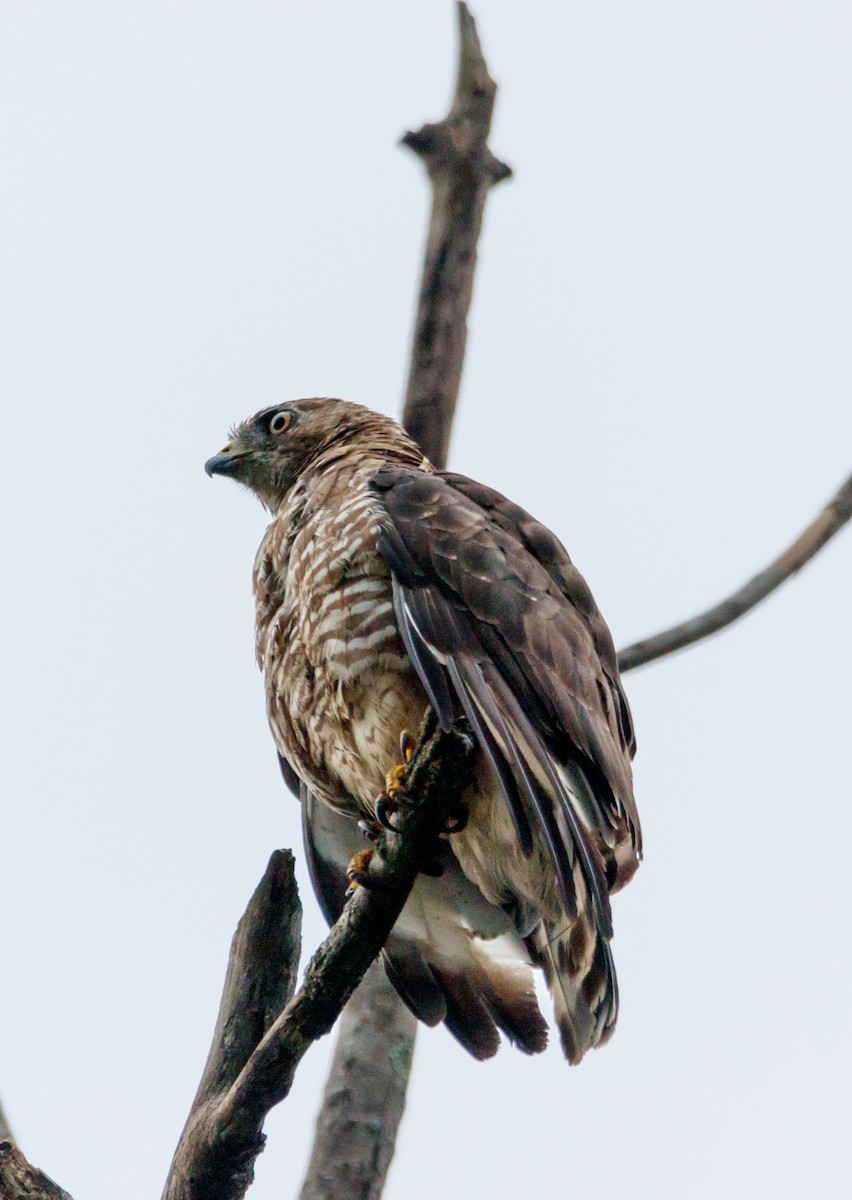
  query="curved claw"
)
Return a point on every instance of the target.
[
  {"x": 370, "y": 829},
  {"x": 384, "y": 806}
]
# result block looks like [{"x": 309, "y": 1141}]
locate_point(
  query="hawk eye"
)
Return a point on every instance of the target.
[{"x": 280, "y": 422}]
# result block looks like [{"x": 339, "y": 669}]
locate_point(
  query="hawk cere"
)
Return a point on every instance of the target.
[{"x": 384, "y": 586}]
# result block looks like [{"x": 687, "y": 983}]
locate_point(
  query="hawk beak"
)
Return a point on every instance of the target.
[{"x": 224, "y": 464}]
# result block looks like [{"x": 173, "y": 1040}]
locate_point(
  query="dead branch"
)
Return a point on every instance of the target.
[
  {"x": 462, "y": 171},
  {"x": 364, "y": 1096},
  {"x": 223, "y": 1135},
  {"x": 20, "y": 1181},
  {"x": 261, "y": 978},
  {"x": 829, "y": 522}
]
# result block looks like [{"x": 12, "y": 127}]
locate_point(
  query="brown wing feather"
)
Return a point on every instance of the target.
[
  {"x": 547, "y": 549},
  {"x": 487, "y": 589}
]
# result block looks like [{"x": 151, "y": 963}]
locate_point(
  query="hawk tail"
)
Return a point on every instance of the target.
[
  {"x": 475, "y": 995},
  {"x": 580, "y": 974}
]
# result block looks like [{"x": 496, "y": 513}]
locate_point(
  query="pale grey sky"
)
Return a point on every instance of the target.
[{"x": 203, "y": 212}]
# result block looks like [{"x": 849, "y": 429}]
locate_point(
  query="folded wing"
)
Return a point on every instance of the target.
[{"x": 497, "y": 620}]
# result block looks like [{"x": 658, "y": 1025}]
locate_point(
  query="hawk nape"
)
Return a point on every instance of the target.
[{"x": 382, "y": 586}]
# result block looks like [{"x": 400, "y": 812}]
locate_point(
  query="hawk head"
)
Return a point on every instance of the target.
[{"x": 271, "y": 450}]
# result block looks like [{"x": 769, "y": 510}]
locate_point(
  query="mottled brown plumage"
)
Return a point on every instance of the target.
[{"x": 383, "y": 586}]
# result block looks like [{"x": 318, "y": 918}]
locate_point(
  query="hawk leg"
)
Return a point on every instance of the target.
[
  {"x": 395, "y": 793},
  {"x": 387, "y": 801},
  {"x": 385, "y": 805}
]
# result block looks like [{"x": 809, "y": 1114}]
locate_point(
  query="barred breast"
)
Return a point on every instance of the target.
[{"x": 339, "y": 685}]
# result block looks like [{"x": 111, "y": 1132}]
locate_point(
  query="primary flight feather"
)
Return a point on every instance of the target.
[{"x": 384, "y": 586}]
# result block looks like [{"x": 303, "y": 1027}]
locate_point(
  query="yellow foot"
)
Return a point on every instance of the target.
[
  {"x": 387, "y": 801},
  {"x": 393, "y": 780},
  {"x": 358, "y": 871},
  {"x": 394, "y": 777}
]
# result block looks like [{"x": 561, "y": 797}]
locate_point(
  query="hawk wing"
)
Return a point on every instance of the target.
[
  {"x": 496, "y": 618},
  {"x": 547, "y": 549}
]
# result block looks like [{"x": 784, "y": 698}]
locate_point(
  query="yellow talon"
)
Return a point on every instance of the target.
[
  {"x": 358, "y": 871},
  {"x": 393, "y": 777},
  {"x": 385, "y": 802},
  {"x": 393, "y": 780},
  {"x": 407, "y": 744}
]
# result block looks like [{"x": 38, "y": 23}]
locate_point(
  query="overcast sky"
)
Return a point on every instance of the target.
[{"x": 204, "y": 212}]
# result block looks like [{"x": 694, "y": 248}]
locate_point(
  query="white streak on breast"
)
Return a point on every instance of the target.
[
  {"x": 345, "y": 646},
  {"x": 371, "y": 607},
  {"x": 359, "y": 587}
]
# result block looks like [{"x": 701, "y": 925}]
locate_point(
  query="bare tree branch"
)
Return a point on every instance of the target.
[
  {"x": 223, "y": 1136},
  {"x": 381, "y": 1033},
  {"x": 20, "y": 1181},
  {"x": 461, "y": 171},
  {"x": 365, "y": 1095},
  {"x": 829, "y": 522}
]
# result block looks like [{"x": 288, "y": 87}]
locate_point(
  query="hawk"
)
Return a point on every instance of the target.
[{"x": 384, "y": 586}]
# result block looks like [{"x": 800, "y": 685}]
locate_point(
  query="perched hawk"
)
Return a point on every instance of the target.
[{"x": 384, "y": 586}]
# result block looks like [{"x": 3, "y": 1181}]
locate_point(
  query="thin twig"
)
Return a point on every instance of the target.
[
  {"x": 829, "y": 522},
  {"x": 215, "y": 1159},
  {"x": 461, "y": 171}
]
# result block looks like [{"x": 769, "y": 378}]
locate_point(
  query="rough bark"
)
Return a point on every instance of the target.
[
  {"x": 259, "y": 981},
  {"x": 20, "y": 1181},
  {"x": 364, "y": 1096},
  {"x": 829, "y": 522},
  {"x": 224, "y": 1133},
  {"x": 461, "y": 171}
]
